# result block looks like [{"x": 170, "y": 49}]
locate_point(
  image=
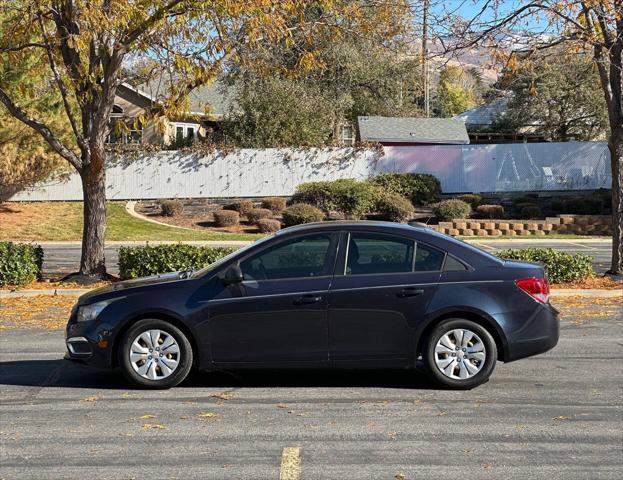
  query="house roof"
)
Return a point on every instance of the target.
[
  {"x": 214, "y": 99},
  {"x": 485, "y": 114},
  {"x": 412, "y": 130}
]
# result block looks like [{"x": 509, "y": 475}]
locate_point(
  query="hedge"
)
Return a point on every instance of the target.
[
  {"x": 301, "y": 213},
  {"x": 394, "y": 207},
  {"x": 20, "y": 263},
  {"x": 419, "y": 188},
  {"x": 137, "y": 262},
  {"x": 561, "y": 267}
]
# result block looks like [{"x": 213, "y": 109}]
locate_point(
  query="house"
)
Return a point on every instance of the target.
[
  {"x": 482, "y": 124},
  {"x": 206, "y": 109},
  {"x": 396, "y": 131}
]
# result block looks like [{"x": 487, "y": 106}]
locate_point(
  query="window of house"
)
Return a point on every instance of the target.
[
  {"x": 185, "y": 131},
  {"x": 128, "y": 132},
  {"x": 348, "y": 134},
  {"x": 370, "y": 253}
]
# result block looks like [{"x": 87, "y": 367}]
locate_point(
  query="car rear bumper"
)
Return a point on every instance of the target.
[{"x": 538, "y": 335}]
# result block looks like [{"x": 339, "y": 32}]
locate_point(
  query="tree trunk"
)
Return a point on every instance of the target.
[
  {"x": 92, "y": 262},
  {"x": 616, "y": 159}
]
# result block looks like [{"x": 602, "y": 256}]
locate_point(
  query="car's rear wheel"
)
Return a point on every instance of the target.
[
  {"x": 155, "y": 354},
  {"x": 460, "y": 354}
]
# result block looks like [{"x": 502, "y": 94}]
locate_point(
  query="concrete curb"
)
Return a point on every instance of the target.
[
  {"x": 129, "y": 207},
  {"x": 555, "y": 293}
]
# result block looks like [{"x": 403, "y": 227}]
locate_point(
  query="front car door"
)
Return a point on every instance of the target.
[
  {"x": 382, "y": 285},
  {"x": 278, "y": 312}
]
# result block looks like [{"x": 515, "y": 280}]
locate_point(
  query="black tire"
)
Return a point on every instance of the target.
[
  {"x": 185, "y": 358},
  {"x": 446, "y": 326}
]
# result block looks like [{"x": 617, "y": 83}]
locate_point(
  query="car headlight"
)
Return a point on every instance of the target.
[{"x": 86, "y": 313}]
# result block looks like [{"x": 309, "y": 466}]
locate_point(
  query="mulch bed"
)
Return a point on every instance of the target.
[{"x": 197, "y": 214}]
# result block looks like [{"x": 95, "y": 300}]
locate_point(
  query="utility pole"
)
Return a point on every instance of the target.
[{"x": 425, "y": 76}]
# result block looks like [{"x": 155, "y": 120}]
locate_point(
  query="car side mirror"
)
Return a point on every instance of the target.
[{"x": 233, "y": 275}]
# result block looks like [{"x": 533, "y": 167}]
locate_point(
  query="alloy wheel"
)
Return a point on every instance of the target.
[
  {"x": 460, "y": 354},
  {"x": 154, "y": 354}
]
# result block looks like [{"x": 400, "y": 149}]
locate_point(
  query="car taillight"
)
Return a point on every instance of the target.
[{"x": 536, "y": 287}]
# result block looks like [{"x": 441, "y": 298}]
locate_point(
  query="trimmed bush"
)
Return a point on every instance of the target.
[
  {"x": 301, "y": 213},
  {"x": 171, "y": 208},
  {"x": 268, "y": 225},
  {"x": 473, "y": 199},
  {"x": 137, "y": 262},
  {"x": 242, "y": 206},
  {"x": 419, "y": 188},
  {"x": 226, "y": 218},
  {"x": 348, "y": 196},
  {"x": 453, "y": 208},
  {"x": 596, "y": 205},
  {"x": 490, "y": 211},
  {"x": 528, "y": 198},
  {"x": 20, "y": 263},
  {"x": 561, "y": 267},
  {"x": 531, "y": 211},
  {"x": 258, "y": 213},
  {"x": 274, "y": 204},
  {"x": 394, "y": 207}
]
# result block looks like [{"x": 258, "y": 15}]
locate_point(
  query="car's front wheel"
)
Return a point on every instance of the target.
[
  {"x": 155, "y": 354},
  {"x": 460, "y": 354}
]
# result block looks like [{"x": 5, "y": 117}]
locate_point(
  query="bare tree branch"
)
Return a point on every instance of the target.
[{"x": 42, "y": 129}]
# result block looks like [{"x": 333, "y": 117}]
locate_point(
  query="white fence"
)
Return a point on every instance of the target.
[{"x": 265, "y": 172}]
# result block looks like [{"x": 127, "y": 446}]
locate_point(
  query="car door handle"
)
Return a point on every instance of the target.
[
  {"x": 410, "y": 292},
  {"x": 307, "y": 299}
]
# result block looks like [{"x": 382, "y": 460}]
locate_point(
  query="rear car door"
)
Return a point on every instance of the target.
[
  {"x": 279, "y": 311},
  {"x": 380, "y": 291}
]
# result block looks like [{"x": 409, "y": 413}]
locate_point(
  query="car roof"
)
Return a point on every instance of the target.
[{"x": 347, "y": 224}]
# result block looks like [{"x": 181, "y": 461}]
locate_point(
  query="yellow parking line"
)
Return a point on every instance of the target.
[{"x": 290, "y": 464}]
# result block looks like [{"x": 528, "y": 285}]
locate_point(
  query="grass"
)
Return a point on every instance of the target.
[{"x": 62, "y": 221}]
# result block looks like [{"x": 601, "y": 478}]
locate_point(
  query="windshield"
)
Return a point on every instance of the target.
[{"x": 220, "y": 261}]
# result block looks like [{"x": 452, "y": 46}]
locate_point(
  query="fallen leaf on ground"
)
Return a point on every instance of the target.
[
  {"x": 150, "y": 426},
  {"x": 207, "y": 415},
  {"x": 93, "y": 398},
  {"x": 223, "y": 395},
  {"x": 145, "y": 417},
  {"x": 561, "y": 417}
]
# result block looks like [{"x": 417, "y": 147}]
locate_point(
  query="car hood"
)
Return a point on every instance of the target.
[{"x": 171, "y": 277}]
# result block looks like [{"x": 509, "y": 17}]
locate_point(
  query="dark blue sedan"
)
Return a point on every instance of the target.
[{"x": 332, "y": 294}]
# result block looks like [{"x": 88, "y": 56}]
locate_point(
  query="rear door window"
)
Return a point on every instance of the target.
[{"x": 371, "y": 253}]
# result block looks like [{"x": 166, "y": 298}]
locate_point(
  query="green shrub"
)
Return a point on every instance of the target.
[
  {"x": 453, "y": 208},
  {"x": 348, "y": 196},
  {"x": 143, "y": 261},
  {"x": 20, "y": 263},
  {"x": 419, "y": 188},
  {"x": 473, "y": 199},
  {"x": 581, "y": 205},
  {"x": 274, "y": 204},
  {"x": 301, "y": 213},
  {"x": 561, "y": 266},
  {"x": 394, "y": 207},
  {"x": 171, "y": 208},
  {"x": 226, "y": 218},
  {"x": 241, "y": 206},
  {"x": 490, "y": 211},
  {"x": 531, "y": 211},
  {"x": 258, "y": 213},
  {"x": 268, "y": 225},
  {"x": 527, "y": 198}
]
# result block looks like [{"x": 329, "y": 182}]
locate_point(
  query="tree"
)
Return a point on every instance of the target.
[
  {"x": 458, "y": 90},
  {"x": 594, "y": 27},
  {"x": 554, "y": 95},
  {"x": 357, "y": 76},
  {"x": 83, "y": 44}
]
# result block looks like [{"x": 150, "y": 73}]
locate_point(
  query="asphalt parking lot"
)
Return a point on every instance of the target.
[{"x": 558, "y": 415}]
